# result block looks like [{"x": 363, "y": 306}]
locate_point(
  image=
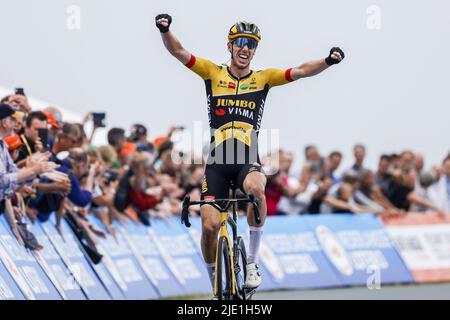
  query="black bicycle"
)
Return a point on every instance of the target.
[{"x": 231, "y": 257}]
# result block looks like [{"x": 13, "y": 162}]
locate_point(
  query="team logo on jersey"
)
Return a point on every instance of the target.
[
  {"x": 204, "y": 185},
  {"x": 243, "y": 87},
  {"x": 241, "y": 112},
  {"x": 222, "y": 84},
  {"x": 219, "y": 112},
  {"x": 238, "y": 130},
  {"x": 236, "y": 103},
  {"x": 231, "y": 85}
]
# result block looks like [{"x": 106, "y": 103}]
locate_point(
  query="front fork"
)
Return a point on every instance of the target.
[{"x": 224, "y": 219}]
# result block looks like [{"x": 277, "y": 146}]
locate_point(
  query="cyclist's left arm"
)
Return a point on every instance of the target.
[
  {"x": 312, "y": 68},
  {"x": 308, "y": 69},
  {"x": 276, "y": 77}
]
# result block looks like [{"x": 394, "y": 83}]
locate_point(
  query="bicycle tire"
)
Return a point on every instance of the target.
[
  {"x": 223, "y": 270},
  {"x": 240, "y": 268}
]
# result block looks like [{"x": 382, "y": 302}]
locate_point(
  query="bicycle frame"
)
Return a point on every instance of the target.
[
  {"x": 225, "y": 220},
  {"x": 224, "y": 233}
]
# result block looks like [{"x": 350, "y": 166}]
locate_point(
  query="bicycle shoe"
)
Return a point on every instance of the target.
[{"x": 253, "y": 279}]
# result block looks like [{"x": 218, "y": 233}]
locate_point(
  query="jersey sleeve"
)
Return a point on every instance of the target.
[
  {"x": 203, "y": 67},
  {"x": 278, "y": 77}
]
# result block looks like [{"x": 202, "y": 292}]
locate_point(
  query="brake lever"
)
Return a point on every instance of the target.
[
  {"x": 253, "y": 200},
  {"x": 185, "y": 212}
]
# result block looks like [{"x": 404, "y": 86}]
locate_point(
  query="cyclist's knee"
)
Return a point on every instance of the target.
[
  {"x": 210, "y": 222},
  {"x": 258, "y": 190},
  {"x": 210, "y": 228}
]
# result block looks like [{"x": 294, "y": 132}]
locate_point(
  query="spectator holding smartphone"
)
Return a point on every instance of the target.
[
  {"x": 32, "y": 143},
  {"x": 18, "y": 102},
  {"x": 10, "y": 176}
]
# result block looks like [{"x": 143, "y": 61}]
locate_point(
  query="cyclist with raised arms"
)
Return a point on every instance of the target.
[{"x": 236, "y": 96}]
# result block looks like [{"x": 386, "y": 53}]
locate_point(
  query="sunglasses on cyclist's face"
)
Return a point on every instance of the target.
[{"x": 244, "y": 41}]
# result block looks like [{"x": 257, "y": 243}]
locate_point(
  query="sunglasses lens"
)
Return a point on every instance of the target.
[{"x": 243, "y": 41}]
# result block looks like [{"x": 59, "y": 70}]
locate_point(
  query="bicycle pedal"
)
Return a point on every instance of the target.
[{"x": 249, "y": 293}]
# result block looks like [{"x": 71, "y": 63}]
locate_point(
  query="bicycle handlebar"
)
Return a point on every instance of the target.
[
  {"x": 187, "y": 203},
  {"x": 185, "y": 212},
  {"x": 254, "y": 201}
]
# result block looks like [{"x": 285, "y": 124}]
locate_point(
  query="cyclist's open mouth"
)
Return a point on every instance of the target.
[{"x": 243, "y": 58}]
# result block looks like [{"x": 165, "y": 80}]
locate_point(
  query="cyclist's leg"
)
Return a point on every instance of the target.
[
  {"x": 210, "y": 229},
  {"x": 254, "y": 181},
  {"x": 214, "y": 186}
]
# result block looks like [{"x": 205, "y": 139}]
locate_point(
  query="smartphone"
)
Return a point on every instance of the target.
[
  {"x": 19, "y": 91},
  {"x": 43, "y": 135},
  {"x": 99, "y": 119}
]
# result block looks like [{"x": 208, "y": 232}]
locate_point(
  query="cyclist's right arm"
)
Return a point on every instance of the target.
[
  {"x": 202, "y": 67},
  {"x": 171, "y": 43},
  {"x": 175, "y": 48}
]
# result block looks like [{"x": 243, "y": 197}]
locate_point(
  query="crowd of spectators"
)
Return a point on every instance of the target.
[
  {"x": 49, "y": 169},
  {"x": 399, "y": 185}
]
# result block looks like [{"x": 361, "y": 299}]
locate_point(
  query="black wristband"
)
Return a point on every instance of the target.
[{"x": 163, "y": 29}]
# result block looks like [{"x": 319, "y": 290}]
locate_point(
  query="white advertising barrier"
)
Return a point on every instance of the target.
[
  {"x": 179, "y": 253},
  {"x": 36, "y": 275},
  {"x": 16, "y": 275},
  {"x": 150, "y": 258},
  {"x": 423, "y": 241}
]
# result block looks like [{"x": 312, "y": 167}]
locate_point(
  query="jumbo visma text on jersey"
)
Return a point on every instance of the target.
[{"x": 236, "y": 105}]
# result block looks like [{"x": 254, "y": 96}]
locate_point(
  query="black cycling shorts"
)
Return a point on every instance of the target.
[{"x": 219, "y": 178}]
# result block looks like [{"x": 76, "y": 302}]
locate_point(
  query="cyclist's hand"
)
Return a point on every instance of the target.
[
  {"x": 336, "y": 55},
  {"x": 163, "y": 22}
]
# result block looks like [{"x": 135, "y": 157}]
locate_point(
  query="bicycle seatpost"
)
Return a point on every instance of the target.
[{"x": 254, "y": 201}]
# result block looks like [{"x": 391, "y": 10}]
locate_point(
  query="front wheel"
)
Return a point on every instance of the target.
[
  {"x": 223, "y": 275},
  {"x": 240, "y": 268}
]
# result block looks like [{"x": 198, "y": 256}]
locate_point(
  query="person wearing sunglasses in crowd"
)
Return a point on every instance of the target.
[{"x": 236, "y": 96}]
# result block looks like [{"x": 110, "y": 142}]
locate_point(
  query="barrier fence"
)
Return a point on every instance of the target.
[{"x": 164, "y": 260}]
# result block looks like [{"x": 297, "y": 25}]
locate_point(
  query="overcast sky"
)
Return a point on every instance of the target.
[{"x": 390, "y": 93}]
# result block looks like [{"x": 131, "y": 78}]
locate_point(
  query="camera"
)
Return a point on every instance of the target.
[
  {"x": 19, "y": 91},
  {"x": 110, "y": 176},
  {"x": 316, "y": 166},
  {"x": 43, "y": 135},
  {"x": 99, "y": 119}
]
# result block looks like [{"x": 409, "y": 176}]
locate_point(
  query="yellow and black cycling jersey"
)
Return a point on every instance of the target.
[{"x": 236, "y": 105}]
